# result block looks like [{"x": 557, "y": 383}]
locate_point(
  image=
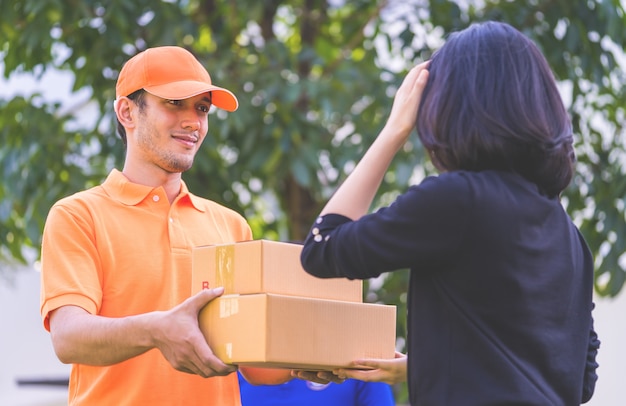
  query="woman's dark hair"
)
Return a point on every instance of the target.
[
  {"x": 138, "y": 97},
  {"x": 491, "y": 103}
]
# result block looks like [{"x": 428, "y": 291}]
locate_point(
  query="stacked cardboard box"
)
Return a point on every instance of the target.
[{"x": 274, "y": 314}]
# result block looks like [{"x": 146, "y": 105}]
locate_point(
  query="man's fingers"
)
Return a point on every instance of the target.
[
  {"x": 209, "y": 364},
  {"x": 200, "y": 299},
  {"x": 215, "y": 368}
]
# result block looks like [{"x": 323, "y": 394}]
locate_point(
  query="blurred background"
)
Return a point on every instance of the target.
[{"x": 315, "y": 80}]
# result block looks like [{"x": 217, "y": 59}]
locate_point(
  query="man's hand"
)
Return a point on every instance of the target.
[
  {"x": 181, "y": 342},
  {"x": 80, "y": 337}
]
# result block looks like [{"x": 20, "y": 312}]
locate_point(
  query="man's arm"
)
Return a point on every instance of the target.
[{"x": 83, "y": 338}]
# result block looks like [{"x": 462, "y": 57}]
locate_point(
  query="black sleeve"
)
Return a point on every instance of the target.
[{"x": 422, "y": 227}]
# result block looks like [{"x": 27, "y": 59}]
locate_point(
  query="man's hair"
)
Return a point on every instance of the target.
[
  {"x": 138, "y": 97},
  {"x": 491, "y": 103}
]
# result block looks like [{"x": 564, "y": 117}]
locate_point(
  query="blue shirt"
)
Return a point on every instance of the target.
[{"x": 298, "y": 392}]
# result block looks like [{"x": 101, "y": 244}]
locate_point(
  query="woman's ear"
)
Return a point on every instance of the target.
[{"x": 123, "y": 110}]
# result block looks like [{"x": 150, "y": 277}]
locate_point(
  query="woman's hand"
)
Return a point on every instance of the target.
[
  {"x": 406, "y": 102},
  {"x": 391, "y": 371},
  {"x": 354, "y": 197}
]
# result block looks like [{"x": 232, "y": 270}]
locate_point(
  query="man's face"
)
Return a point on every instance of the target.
[{"x": 169, "y": 132}]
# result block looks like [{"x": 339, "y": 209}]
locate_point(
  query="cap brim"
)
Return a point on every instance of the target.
[{"x": 220, "y": 97}]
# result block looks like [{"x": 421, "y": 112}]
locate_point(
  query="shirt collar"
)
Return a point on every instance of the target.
[{"x": 131, "y": 194}]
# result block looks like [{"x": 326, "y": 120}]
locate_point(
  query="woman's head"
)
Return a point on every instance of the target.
[{"x": 491, "y": 103}]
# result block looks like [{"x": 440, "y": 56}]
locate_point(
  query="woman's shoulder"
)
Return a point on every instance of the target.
[{"x": 476, "y": 180}]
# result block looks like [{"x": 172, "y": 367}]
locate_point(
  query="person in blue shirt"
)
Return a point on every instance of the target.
[{"x": 298, "y": 392}]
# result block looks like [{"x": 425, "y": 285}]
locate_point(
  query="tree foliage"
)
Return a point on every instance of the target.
[{"x": 315, "y": 80}]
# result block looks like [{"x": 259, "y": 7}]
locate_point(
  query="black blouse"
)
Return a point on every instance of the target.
[{"x": 500, "y": 295}]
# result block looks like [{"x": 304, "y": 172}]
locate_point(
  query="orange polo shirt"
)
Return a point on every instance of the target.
[{"x": 121, "y": 249}]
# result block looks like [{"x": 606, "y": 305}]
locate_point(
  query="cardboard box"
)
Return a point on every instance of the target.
[
  {"x": 276, "y": 331},
  {"x": 262, "y": 266}
]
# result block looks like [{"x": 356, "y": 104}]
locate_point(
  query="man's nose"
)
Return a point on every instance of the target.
[{"x": 191, "y": 120}]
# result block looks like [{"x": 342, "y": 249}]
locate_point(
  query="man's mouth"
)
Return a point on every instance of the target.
[{"x": 187, "y": 139}]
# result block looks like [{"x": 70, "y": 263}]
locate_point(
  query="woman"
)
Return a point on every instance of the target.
[{"x": 500, "y": 294}]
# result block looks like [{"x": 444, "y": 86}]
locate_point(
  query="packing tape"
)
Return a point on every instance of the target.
[
  {"x": 229, "y": 351},
  {"x": 225, "y": 267},
  {"x": 229, "y": 306}
]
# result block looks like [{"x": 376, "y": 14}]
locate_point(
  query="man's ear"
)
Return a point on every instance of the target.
[{"x": 123, "y": 110}]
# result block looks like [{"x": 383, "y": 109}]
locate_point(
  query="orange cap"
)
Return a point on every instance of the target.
[{"x": 171, "y": 73}]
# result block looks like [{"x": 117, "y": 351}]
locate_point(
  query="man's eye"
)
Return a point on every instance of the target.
[
  {"x": 175, "y": 102},
  {"x": 204, "y": 109}
]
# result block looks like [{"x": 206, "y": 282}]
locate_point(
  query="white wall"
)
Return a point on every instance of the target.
[
  {"x": 25, "y": 348},
  {"x": 26, "y": 352}
]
